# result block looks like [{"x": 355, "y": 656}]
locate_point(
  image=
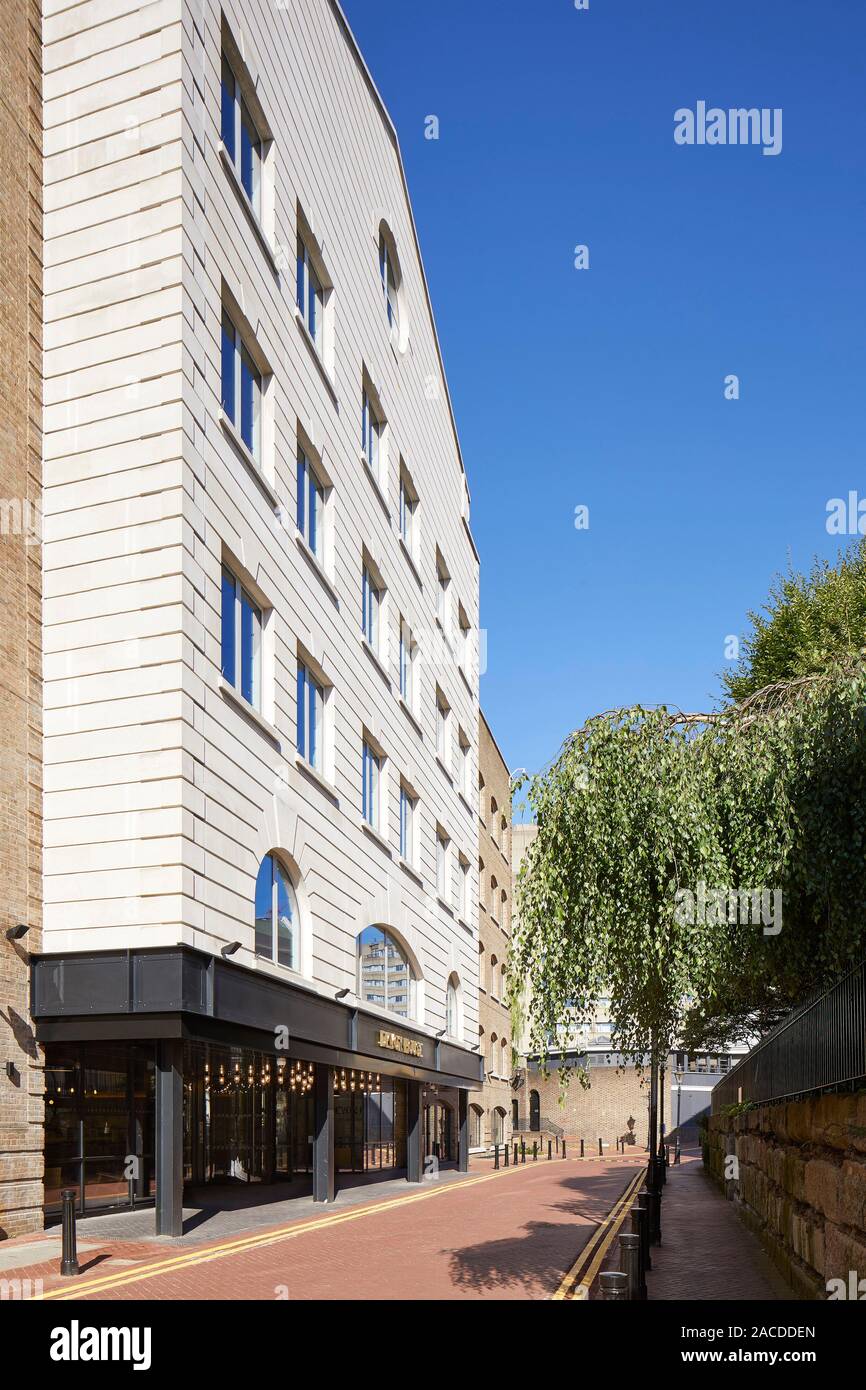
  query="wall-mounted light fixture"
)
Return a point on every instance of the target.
[
  {"x": 232, "y": 948},
  {"x": 16, "y": 933}
]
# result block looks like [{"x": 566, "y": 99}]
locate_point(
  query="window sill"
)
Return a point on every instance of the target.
[
  {"x": 466, "y": 803},
  {"x": 315, "y": 563},
  {"x": 412, "y": 565},
  {"x": 244, "y": 707},
  {"x": 377, "y": 486},
  {"x": 249, "y": 459},
  {"x": 316, "y": 355},
  {"x": 410, "y": 716},
  {"x": 318, "y": 777},
  {"x": 466, "y": 681},
  {"x": 377, "y": 662},
  {"x": 445, "y": 634},
  {"x": 445, "y": 905},
  {"x": 413, "y": 873},
  {"x": 463, "y": 923},
  {"x": 379, "y": 839},
  {"x": 252, "y": 215},
  {"x": 444, "y": 769}
]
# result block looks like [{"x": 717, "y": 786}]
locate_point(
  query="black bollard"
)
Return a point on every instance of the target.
[
  {"x": 637, "y": 1224},
  {"x": 581, "y": 1148},
  {"x": 600, "y": 1149},
  {"x": 643, "y": 1206},
  {"x": 506, "y": 1148},
  {"x": 654, "y": 1203},
  {"x": 563, "y": 1148},
  {"x": 677, "y": 1152},
  {"x": 549, "y": 1150},
  {"x": 534, "y": 1150},
  {"x": 69, "y": 1254},
  {"x": 495, "y": 1155},
  {"x": 523, "y": 1151},
  {"x": 614, "y": 1285},
  {"x": 629, "y": 1260},
  {"x": 515, "y": 1155}
]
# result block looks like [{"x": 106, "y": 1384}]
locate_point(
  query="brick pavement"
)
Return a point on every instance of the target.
[
  {"x": 707, "y": 1252},
  {"x": 510, "y": 1235}
]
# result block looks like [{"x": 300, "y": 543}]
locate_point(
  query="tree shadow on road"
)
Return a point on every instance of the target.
[{"x": 534, "y": 1261}]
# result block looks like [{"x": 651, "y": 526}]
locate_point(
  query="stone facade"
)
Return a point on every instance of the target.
[
  {"x": 164, "y": 781},
  {"x": 490, "y": 1115},
  {"x": 800, "y": 1184},
  {"x": 21, "y": 1105}
]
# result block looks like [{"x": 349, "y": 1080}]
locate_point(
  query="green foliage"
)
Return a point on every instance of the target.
[
  {"x": 806, "y": 624},
  {"x": 643, "y": 803}
]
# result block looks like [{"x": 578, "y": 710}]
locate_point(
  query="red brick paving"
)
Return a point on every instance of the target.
[
  {"x": 513, "y": 1236},
  {"x": 706, "y": 1251}
]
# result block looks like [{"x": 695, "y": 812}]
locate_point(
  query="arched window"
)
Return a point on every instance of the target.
[
  {"x": 452, "y": 1008},
  {"x": 392, "y": 285},
  {"x": 494, "y": 978},
  {"x": 385, "y": 973},
  {"x": 475, "y": 1116},
  {"x": 277, "y": 926},
  {"x": 498, "y": 1118}
]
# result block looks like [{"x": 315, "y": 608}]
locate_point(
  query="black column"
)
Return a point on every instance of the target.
[
  {"x": 463, "y": 1131},
  {"x": 169, "y": 1138},
  {"x": 324, "y": 1184},
  {"x": 414, "y": 1164}
]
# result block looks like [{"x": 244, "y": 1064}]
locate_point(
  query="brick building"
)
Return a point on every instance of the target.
[
  {"x": 21, "y": 1106},
  {"x": 490, "y": 1115}
]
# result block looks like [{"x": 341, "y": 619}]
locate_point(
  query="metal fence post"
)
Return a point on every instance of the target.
[
  {"x": 581, "y": 1148},
  {"x": 614, "y": 1285},
  {"x": 534, "y": 1150},
  {"x": 69, "y": 1253},
  {"x": 507, "y": 1148},
  {"x": 600, "y": 1149},
  {"x": 495, "y": 1155},
  {"x": 523, "y": 1151}
]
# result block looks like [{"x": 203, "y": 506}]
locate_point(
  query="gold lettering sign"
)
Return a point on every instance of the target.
[{"x": 395, "y": 1043}]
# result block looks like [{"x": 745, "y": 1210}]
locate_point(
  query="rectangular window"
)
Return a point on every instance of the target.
[
  {"x": 407, "y": 658},
  {"x": 311, "y": 298},
  {"x": 310, "y": 713},
  {"x": 370, "y": 772},
  {"x": 407, "y": 516},
  {"x": 465, "y": 765},
  {"x": 442, "y": 864},
  {"x": 240, "y": 137},
  {"x": 370, "y": 600},
  {"x": 311, "y": 502},
  {"x": 465, "y": 897},
  {"x": 442, "y": 729},
  {"x": 443, "y": 581},
  {"x": 371, "y": 435},
  {"x": 241, "y": 639},
  {"x": 407, "y": 825},
  {"x": 241, "y": 387}
]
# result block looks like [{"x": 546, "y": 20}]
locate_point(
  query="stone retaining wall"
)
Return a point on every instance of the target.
[{"x": 801, "y": 1184}]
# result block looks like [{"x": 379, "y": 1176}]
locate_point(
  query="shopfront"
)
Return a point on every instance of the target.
[{"x": 170, "y": 1069}]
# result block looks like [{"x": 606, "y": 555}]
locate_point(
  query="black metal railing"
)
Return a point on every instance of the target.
[
  {"x": 819, "y": 1047},
  {"x": 534, "y": 1124}
]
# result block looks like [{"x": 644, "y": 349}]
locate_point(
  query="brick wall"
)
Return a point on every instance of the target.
[
  {"x": 799, "y": 1182},
  {"x": 494, "y": 929},
  {"x": 601, "y": 1111},
  {"x": 21, "y": 1103}
]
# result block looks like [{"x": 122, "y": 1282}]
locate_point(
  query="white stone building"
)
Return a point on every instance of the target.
[{"x": 261, "y": 612}]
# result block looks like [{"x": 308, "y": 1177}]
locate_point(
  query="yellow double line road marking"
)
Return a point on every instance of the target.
[
  {"x": 599, "y": 1243},
  {"x": 176, "y": 1263}
]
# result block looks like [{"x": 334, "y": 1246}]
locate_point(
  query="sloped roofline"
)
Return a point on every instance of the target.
[{"x": 392, "y": 131}]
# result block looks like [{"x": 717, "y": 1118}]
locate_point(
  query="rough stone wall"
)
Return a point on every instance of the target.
[{"x": 801, "y": 1184}]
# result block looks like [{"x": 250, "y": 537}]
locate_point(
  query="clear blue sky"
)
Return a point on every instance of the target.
[{"x": 606, "y": 387}]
